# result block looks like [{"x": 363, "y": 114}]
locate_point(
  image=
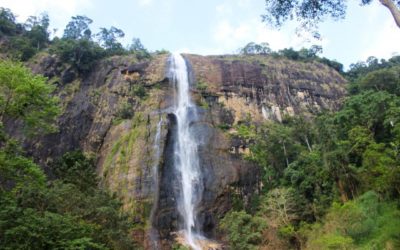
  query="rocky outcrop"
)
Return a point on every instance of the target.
[
  {"x": 267, "y": 88},
  {"x": 92, "y": 103},
  {"x": 113, "y": 113}
]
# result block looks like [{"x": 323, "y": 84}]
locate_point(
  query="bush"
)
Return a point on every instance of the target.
[
  {"x": 27, "y": 97},
  {"x": 81, "y": 54},
  {"x": 69, "y": 213},
  {"x": 126, "y": 111},
  {"x": 139, "y": 90},
  {"x": 244, "y": 230},
  {"x": 76, "y": 168},
  {"x": 365, "y": 223}
]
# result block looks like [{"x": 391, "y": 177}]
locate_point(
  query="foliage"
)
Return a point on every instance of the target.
[
  {"x": 108, "y": 39},
  {"x": 386, "y": 79},
  {"x": 310, "y": 13},
  {"x": 201, "y": 86},
  {"x": 255, "y": 49},
  {"x": 27, "y": 97},
  {"x": 67, "y": 214},
  {"x": 360, "y": 69},
  {"x": 16, "y": 171},
  {"x": 78, "y": 28},
  {"x": 20, "y": 48},
  {"x": 303, "y": 55},
  {"x": 76, "y": 46},
  {"x": 23, "y": 40},
  {"x": 37, "y": 30},
  {"x": 76, "y": 168},
  {"x": 81, "y": 54},
  {"x": 126, "y": 111},
  {"x": 71, "y": 212},
  {"x": 139, "y": 90},
  {"x": 34, "y": 230},
  {"x": 280, "y": 205},
  {"x": 8, "y": 25},
  {"x": 179, "y": 247},
  {"x": 351, "y": 156},
  {"x": 365, "y": 223},
  {"x": 138, "y": 49},
  {"x": 244, "y": 230}
]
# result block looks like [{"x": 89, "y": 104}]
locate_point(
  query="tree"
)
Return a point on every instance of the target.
[
  {"x": 78, "y": 28},
  {"x": 281, "y": 206},
  {"x": 254, "y": 48},
  {"x": 364, "y": 223},
  {"x": 311, "y": 12},
  {"x": 37, "y": 30},
  {"x": 77, "y": 169},
  {"x": 108, "y": 39},
  {"x": 383, "y": 79},
  {"x": 138, "y": 49},
  {"x": 81, "y": 54},
  {"x": 26, "y": 96},
  {"x": 7, "y": 22},
  {"x": 17, "y": 171},
  {"x": 244, "y": 230}
]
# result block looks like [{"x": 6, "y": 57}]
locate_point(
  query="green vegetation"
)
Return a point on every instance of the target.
[
  {"x": 363, "y": 223},
  {"x": 332, "y": 182},
  {"x": 82, "y": 54},
  {"x": 26, "y": 39},
  {"x": 179, "y": 247},
  {"x": 303, "y": 55},
  {"x": 328, "y": 182},
  {"x": 311, "y": 13},
  {"x": 126, "y": 111},
  {"x": 201, "y": 86},
  {"x": 244, "y": 230},
  {"x": 360, "y": 69},
  {"x": 139, "y": 50},
  {"x": 139, "y": 90},
  {"x": 27, "y": 97},
  {"x": 68, "y": 212},
  {"x": 76, "y": 47}
]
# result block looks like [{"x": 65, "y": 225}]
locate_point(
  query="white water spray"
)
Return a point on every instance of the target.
[{"x": 186, "y": 155}]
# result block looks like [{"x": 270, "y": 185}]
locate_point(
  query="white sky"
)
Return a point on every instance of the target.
[{"x": 221, "y": 26}]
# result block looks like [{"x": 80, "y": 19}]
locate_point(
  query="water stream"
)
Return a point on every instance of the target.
[{"x": 186, "y": 159}]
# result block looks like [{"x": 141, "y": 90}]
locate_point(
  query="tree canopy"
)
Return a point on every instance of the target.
[
  {"x": 78, "y": 28},
  {"x": 310, "y": 12},
  {"x": 108, "y": 39},
  {"x": 26, "y": 96}
]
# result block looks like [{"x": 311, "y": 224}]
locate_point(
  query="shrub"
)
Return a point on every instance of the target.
[{"x": 244, "y": 230}]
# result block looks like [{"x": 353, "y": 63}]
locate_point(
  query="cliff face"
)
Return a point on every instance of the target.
[
  {"x": 268, "y": 88},
  {"x": 114, "y": 111}
]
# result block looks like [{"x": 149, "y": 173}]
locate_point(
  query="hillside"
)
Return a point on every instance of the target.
[
  {"x": 107, "y": 147},
  {"x": 105, "y": 114}
]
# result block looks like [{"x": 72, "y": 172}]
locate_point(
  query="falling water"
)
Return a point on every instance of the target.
[
  {"x": 154, "y": 170},
  {"x": 186, "y": 155}
]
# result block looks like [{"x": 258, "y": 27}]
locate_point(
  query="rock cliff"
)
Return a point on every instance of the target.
[
  {"x": 113, "y": 114},
  {"x": 266, "y": 87}
]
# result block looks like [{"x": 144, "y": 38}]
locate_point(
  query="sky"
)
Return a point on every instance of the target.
[{"x": 221, "y": 26}]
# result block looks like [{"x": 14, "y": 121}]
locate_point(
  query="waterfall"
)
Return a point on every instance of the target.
[
  {"x": 186, "y": 158},
  {"x": 157, "y": 154}
]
